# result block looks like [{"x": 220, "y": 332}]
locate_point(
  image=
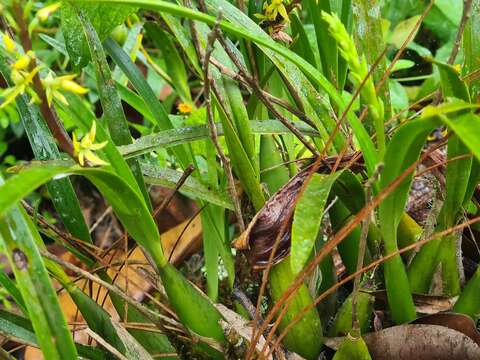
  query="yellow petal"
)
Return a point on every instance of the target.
[
  {"x": 9, "y": 44},
  {"x": 98, "y": 146},
  {"x": 86, "y": 142},
  {"x": 17, "y": 77},
  {"x": 76, "y": 144},
  {"x": 45, "y": 12},
  {"x": 184, "y": 108},
  {"x": 94, "y": 159},
  {"x": 24, "y": 61},
  {"x": 73, "y": 87},
  {"x": 58, "y": 95},
  {"x": 93, "y": 131},
  {"x": 283, "y": 12},
  {"x": 81, "y": 159},
  {"x": 48, "y": 92}
]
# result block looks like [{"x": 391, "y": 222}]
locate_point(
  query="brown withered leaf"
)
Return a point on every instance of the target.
[
  {"x": 417, "y": 342},
  {"x": 424, "y": 304},
  {"x": 458, "y": 322},
  {"x": 259, "y": 238}
]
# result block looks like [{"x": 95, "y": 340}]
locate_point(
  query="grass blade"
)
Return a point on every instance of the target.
[
  {"x": 112, "y": 106},
  {"x": 19, "y": 239}
]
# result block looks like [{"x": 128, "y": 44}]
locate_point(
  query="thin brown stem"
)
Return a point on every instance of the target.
[
  {"x": 467, "y": 7},
  {"x": 258, "y": 91},
  {"x": 188, "y": 171}
]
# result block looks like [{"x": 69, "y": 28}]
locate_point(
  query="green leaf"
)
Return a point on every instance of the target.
[
  {"x": 352, "y": 348},
  {"x": 113, "y": 113},
  {"x": 13, "y": 291},
  {"x": 44, "y": 148},
  {"x": 173, "y": 62},
  {"x": 132, "y": 72},
  {"x": 305, "y": 338},
  {"x": 191, "y": 187},
  {"x": 452, "y": 85},
  {"x": 403, "y": 30},
  {"x": 471, "y": 47},
  {"x": 132, "y": 212},
  {"x": 104, "y": 19},
  {"x": 19, "y": 238},
  {"x": 468, "y": 302},
  {"x": 366, "y": 144},
  {"x": 273, "y": 173},
  {"x": 168, "y": 138},
  {"x": 20, "y": 329},
  {"x": 308, "y": 218},
  {"x": 403, "y": 150},
  {"x": 457, "y": 177},
  {"x": 327, "y": 45},
  {"x": 342, "y": 324}
]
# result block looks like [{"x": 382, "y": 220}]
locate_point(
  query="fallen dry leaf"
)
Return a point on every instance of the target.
[{"x": 417, "y": 342}]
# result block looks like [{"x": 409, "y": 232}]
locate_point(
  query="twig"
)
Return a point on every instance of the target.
[
  {"x": 258, "y": 91},
  {"x": 284, "y": 104},
  {"x": 467, "y": 7},
  {"x": 362, "y": 245},
  {"x": 240, "y": 296},
  {"x": 105, "y": 344},
  {"x": 188, "y": 171},
  {"x": 212, "y": 37}
]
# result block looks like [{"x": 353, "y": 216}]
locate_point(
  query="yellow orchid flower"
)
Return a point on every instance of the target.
[
  {"x": 22, "y": 81},
  {"x": 52, "y": 86},
  {"x": 44, "y": 13},
  {"x": 275, "y": 8},
  {"x": 84, "y": 149}
]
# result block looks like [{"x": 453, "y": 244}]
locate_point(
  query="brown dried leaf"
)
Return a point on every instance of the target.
[
  {"x": 417, "y": 342},
  {"x": 259, "y": 238},
  {"x": 458, "y": 322},
  {"x": 425, "y": 304}
]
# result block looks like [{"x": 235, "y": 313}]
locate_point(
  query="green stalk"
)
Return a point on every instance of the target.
[
  {"x": 343, "y": 319},
  {"x": 306, "y": 337},
  {"x": 468, "y": 302}
]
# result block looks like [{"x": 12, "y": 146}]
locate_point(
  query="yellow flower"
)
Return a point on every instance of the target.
[
  {"x": 184, "y": 108},
  {"x": 52, "y": 86},
  {"x": 44, "y": 13},
  {"x": 24, "y": 61},
  {"x": 84, "y": 149},
  {"x": 9, "y": 44},
  {"x": 22, "y": 81},
  {"x": 67, "y": 84},
  {"x": 458, "y": 68},
  {"x": 272, "y": 10}
]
